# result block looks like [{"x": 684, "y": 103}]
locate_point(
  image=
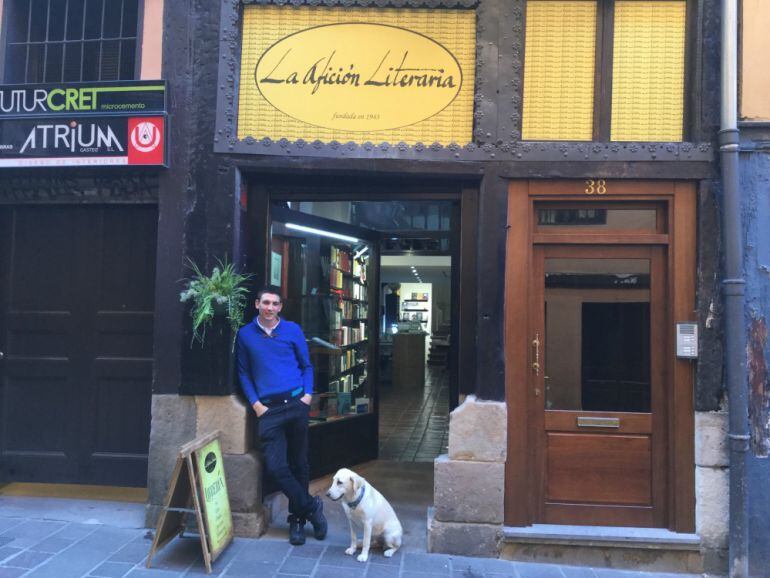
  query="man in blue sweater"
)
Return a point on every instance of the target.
[{"x": 277, "y": 378}]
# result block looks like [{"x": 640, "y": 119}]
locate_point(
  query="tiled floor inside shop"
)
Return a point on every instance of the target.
[{"x": 414, "y": 421}]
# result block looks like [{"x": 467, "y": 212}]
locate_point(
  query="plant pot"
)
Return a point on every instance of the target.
[{"x": 206, "y": 368}]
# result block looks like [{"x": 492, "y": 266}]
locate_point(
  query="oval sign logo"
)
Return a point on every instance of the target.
[
  {"x": 358, "y": 77},
  {"x": 210, "y": 462}
]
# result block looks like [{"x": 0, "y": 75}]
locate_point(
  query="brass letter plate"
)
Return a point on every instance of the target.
[{"x": 598, "y": 421}]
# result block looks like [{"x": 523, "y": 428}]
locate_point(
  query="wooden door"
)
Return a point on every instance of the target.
[
  {"x": 598, "y": 384},
  {"x": 76, "y": 318}
]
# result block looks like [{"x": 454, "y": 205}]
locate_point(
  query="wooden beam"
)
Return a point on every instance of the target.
[{"x": 517, "y": 490}]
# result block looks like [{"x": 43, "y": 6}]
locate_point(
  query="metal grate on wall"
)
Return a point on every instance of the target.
[
  {"x": 648, "y": 70},
  {"x": 559, "y": 66},
  {"x": 70, "y": 40}
]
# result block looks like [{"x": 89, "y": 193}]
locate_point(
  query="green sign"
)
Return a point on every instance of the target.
[
  {"x": 213, "y": 490},
  {"x": 198, "y": 480},
  {"x": 120, "y": 98}
]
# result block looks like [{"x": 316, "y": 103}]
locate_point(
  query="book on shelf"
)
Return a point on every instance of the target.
[
  {"x": 336, "y": 279},
  {"x": 340, "y": 259},
  {"x": 344, "y": 402},
  {"x": 353, "y": 311},
  {"x": 349, "y": 359},
  {"x": 345, "y": 383},
  {"x": 362, "y": 405},
  {"x": 359, "y": 270},
  {"x": 347, "y": 335}
]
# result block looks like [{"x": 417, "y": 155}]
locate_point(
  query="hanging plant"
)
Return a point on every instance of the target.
[{"x": 223, "y": 293}]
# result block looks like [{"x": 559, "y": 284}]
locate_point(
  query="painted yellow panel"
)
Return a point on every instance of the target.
[
  {"x": 755, "y": 74},
  {"x": 358, "y": 74},
  {"x": 559, "y": 70},
  {"x": 648, "y": 71}
]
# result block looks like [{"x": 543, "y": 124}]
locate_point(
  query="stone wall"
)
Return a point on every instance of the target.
[
  {"x": 172, "y": 425},
  {"x": 469, "y": 482},
  {"x": 712, "y": 488},
  {"x": 177, "y": 420}
]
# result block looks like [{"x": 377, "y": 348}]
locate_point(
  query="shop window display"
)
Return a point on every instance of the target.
[{"x": 324, "y": 285}]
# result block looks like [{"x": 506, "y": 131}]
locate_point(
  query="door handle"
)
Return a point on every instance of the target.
[{"x": 536, "y": 354}]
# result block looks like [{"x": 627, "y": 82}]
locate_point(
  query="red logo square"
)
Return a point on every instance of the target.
[{"x": 146, "y": 140}]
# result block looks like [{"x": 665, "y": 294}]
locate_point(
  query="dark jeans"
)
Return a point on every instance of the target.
[{"x": 283, "y": 432}]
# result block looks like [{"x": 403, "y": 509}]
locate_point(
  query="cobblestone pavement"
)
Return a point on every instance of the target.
[{"x": 49, "y": 548}]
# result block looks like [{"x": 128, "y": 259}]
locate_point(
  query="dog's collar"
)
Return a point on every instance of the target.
[{"x": 352, "y": 505}]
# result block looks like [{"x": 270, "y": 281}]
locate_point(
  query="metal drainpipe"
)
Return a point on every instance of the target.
[{"x": 733, "y": 287}]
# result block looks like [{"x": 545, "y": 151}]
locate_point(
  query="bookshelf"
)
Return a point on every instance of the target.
[
  {"x": 415, "y": 308},
  {"x": 341, "y": 385},
  {"x": 415, "y": 304}
]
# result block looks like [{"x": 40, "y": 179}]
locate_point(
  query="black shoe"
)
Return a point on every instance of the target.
[
  {"x": 317, "y": 519},
  {"x": 296, "y": 530}
]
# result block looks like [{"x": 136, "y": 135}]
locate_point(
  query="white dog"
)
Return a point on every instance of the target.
[{"x": 368, "y": 508}]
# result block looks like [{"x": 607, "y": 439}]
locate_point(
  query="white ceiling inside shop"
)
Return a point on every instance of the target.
[{"x": 431, "y": 269}]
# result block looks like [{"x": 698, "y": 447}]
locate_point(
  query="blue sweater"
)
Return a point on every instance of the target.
[{"x": 268, "y": 365}]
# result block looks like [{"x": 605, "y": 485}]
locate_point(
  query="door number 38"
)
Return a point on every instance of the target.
[{"x": 596, "y": 187}]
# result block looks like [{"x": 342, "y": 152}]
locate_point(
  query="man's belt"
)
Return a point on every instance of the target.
[{"x": 282, "y": 398}]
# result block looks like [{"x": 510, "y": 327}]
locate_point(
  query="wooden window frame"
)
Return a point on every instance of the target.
[{"x": 576, "y": 234}]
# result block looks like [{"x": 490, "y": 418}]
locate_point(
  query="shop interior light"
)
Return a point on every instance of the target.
[
  {"x": 361, "y": 252},
  {"x": 321, "y": 232}
]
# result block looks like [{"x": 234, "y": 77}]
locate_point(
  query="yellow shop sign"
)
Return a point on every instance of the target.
[{"x": 358, "y": 77}]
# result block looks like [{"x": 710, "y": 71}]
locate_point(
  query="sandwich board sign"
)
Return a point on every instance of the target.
[{"x": 197, "y": 487}]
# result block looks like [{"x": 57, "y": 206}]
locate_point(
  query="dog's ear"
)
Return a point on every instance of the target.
[{"x": 358, "y": 481}]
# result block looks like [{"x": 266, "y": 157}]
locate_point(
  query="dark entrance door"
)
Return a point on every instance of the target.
[{"x": 76, "y": 317}]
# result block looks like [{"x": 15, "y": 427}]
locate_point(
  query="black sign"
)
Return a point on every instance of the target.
[
  {"x": 82, "y": 140},
  {"x": 134, "y": 98}
]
